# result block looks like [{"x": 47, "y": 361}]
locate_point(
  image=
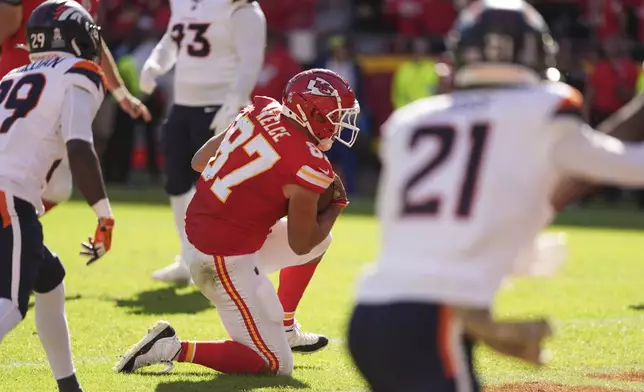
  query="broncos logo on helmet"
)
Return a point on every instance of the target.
[{"x": 64, "y": 26}]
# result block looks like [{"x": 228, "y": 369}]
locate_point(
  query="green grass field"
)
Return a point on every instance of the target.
[{"x": 594, "y": 302}]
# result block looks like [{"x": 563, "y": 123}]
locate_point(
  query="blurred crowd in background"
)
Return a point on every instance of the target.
[{"x": 391, "y": 51}]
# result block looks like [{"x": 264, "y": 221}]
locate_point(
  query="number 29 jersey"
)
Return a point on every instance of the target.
[
  {"x": 466, "y": 184},
  {"x": 31, "y": 102},
  {"x": 240, "y": 193}
]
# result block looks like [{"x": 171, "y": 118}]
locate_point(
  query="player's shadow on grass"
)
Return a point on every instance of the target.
[
  {"x": 68, "y": 298},
  {"x": 165, "y": 301},
  {"x": 232, "y": 383}
]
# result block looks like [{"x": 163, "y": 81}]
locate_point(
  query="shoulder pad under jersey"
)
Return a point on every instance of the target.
[
  {"x": 87, "y": 75},
  {"x": 569, "y": 100}
]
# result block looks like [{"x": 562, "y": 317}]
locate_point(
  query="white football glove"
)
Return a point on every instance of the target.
[
  {"x": 147, "y": 81},
  {"x": 226, "y": 114}
]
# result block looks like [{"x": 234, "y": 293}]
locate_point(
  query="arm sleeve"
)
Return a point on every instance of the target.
[
  {"x": 582, "y": 152},
  {"x": 79, "y": 108},
  {"x": 164, "y": 54},
  {"x": 249, "y": 28}
]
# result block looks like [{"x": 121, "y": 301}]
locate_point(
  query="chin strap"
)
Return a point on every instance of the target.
[{"x": 324, "y": 144}]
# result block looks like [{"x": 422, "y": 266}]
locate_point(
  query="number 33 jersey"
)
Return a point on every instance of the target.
[
  {"x": 31, "y": 107},
  {"x": 240, "y": 193},
  {"x": 466, "y": 183},
  {"x": 208, "y": 61}
]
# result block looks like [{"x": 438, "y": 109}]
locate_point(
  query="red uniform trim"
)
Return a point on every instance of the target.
[{"x": 253, "y": 331}]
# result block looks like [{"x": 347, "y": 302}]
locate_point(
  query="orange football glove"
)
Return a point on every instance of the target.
[{"x": 101, "y": 243}]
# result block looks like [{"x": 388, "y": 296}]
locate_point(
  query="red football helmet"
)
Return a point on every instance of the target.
[{"x": 321, "y": 101}]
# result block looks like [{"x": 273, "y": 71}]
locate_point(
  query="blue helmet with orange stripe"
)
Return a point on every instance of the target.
[
  {"x": 63, "y": 26},
  {"x": 501, "y": 42}
]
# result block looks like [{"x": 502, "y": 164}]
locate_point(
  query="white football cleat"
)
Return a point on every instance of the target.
[
  {"x": 304, "y": 342},
  {"x": 160, "y": 345},
  {"x": 176, "y": 272}
]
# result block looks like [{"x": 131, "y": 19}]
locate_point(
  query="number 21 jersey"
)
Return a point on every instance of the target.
[
  {"x": 240, "y": 193},
  {"x": 466, "y": 184},
  {"x": 31, "y": 101}
]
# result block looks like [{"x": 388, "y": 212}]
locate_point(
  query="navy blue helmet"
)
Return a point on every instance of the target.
[
  {"x": 63, "y": 26},
  {"x": 499, "y": 36}
]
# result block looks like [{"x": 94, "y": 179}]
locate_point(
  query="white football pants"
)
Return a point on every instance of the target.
[{"x": 245, "y": 298}]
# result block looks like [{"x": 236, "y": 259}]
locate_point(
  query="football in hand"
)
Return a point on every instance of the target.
[{"x": 326, "y": 198}]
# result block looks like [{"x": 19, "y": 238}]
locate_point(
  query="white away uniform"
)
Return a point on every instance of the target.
[
  {"x": 466, "y": 184},
  {"x": 43, "y": 105},
  {"x": 472, "y": 174},
  {"x": 32, "y": 136},
  {"x": 217, "y": 49}
]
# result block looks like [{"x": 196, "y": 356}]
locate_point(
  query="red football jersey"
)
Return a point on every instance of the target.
[
  {"x": 240, "y": 193},
  {"x": 13, "y": 56}
]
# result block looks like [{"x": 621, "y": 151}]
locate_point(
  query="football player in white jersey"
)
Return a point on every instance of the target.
[
  {"x": 467, "y": 182},
  {"x": 217, "y": 48},
  {"x": 46, "y": 112}
]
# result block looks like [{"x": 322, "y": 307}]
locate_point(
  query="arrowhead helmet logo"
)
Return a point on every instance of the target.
[{"x": 322, "y": 87}]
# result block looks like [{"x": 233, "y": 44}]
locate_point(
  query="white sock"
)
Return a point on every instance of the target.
[
  {"x": 51, "y": 324},
  {"x": 179, "y": 206},
  {"x": 10, "y": 316}
]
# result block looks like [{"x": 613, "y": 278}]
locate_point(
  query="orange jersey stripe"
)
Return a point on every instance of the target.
[
  {"x": 273, "y": 362},
  {"x": 573, "y": 101},
  {"x": 445, "y": 322},
  {"x": 4, "y": 211},
  {"x": 92, "y": 67}
]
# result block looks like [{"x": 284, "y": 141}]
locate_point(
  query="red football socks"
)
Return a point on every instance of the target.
[
  {"x": 293, "y": 283},
  {"x": 224, "y": 356}
]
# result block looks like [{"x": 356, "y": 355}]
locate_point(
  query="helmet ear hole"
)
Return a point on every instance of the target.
[{"x": 319, "y": 117}]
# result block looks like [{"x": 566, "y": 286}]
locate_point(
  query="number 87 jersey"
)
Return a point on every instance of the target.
[
  {"x": 240, "y": 193},
  {"x": 31, "y": 113}
]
